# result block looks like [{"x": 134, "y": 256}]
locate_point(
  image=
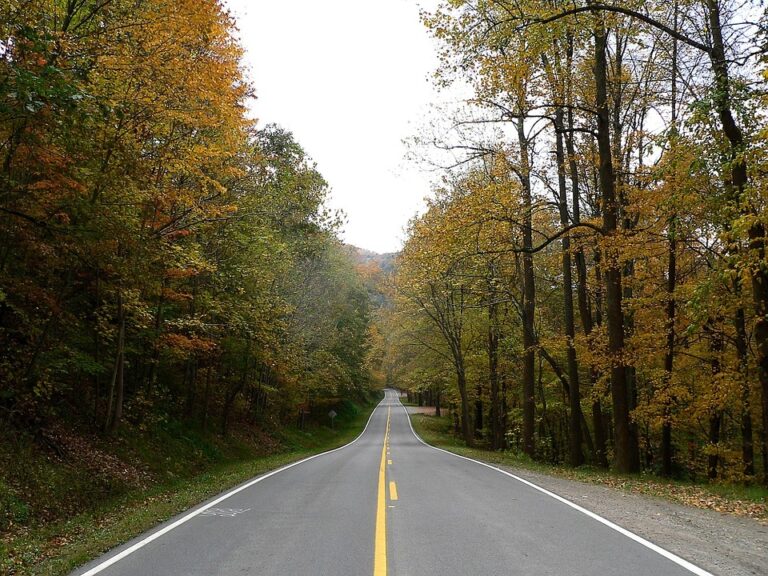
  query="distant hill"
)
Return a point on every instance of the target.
[
  {"x": 374, "y": 269},
  {"x": 363, "y": 257}
]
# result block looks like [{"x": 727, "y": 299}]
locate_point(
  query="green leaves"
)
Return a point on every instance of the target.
[{"x": 149, "y": 234}]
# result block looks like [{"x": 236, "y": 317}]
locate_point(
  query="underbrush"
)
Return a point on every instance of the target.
[{"x": 67, "y": 496}]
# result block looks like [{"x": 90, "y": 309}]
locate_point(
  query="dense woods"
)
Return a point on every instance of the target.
[
  {"x": 161, "y": 256},
  {"x": 589, "y": 282}
]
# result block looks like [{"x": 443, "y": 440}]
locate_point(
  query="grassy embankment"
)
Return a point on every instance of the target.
[
  {"x": 61, "y": 508},
  {"x": 737, "y": 499}
]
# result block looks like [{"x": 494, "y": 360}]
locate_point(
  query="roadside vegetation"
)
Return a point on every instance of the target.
[
  {"x": 588, "y": 284},
  {"x": 728, "y": 498},
  {"x": 72, "y": 513},
  {"x": 177, "y": 312}
]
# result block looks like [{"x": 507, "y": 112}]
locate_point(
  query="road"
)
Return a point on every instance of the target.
[{"x": 388, "y": 504}]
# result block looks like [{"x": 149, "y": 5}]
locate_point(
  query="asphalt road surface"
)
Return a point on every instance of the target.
[{"x": 388, "y": 504}]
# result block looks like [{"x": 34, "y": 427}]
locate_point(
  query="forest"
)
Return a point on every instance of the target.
[
  {"x": 589, "y": 282},
  {"x": 167, "y": 264},
  {"x": 586, "y": 287}
]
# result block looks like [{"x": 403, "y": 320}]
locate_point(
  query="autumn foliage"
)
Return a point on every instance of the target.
[
  {"x": 590, "y": 281},
  {"x": 160, "y": 254}
]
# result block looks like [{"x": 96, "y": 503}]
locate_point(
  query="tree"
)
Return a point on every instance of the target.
[{"x": 664, "y": 212}]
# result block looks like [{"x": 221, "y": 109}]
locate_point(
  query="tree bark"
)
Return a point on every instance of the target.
[
  {"x": 116, "y": 389},
  {"x": 669, "y": 356},
  {"x": 626, "y": 459},
  {"x": 466, "y": 427},
  {"x": 714, "y": 439},
  {"x": 585, "y": 310},
  {"x": 739, "y": 179},
  {"x": 479, "y": 410},
  {"x": 716, "y": 345},
  {"x": 529, "y": 298},
  {"x": 497, "y": 435},
  {"x": 747, "y": 440},
  {"x": 575, "y": 455}
]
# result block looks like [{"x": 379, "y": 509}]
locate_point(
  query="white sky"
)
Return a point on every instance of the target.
[{"x": 350, "y": 79}]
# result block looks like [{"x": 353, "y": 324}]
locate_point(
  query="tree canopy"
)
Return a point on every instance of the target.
[
  {"x": 593, "y": 269},
  {"x": 160, "y": 253}
]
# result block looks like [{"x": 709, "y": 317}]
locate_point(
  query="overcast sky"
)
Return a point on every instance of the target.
[{"x": 350, "y": 79}]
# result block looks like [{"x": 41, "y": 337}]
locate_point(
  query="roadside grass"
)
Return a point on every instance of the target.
[
  {"x": 739, "y": 500},
  {"x": 58, "y": 547}
]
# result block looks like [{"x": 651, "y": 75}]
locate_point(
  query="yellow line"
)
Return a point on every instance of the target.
[
  {"x": 380, "y": 540},
  {"x": 392, "y": 490}
]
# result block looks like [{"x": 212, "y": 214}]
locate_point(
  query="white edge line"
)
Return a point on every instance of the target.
[
  {"x": 639, "y": 539},
  {"x": 155, "y": 535}
]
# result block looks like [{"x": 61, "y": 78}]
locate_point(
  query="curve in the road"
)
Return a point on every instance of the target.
[{"x": 639, "y": 539}]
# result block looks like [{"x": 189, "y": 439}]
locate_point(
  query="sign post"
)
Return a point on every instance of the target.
[{"x": 332, "y": 414}]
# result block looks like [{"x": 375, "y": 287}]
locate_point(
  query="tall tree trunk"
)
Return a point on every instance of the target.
[
  {"x": 206, "y": 397},
  {"x": 738, "y": 181},
  {"x": 116, "y": 389},
  {"x": 190, "y": 369},
  {"x": 493, "y": 370},
  {"x": 118, "y": 415},
  {"x": 529, "y": 299},
  {"x": 627, "y": 222},
  {"x": 575, "y": 455},
  {"x": 714, "y": 439},
  {"x": 585, "y": 314},
  {"x": 504, "y": 409},
  {"x": 566, "y": 394},
  {"x": 479, "y": 410},
  {"x": 626, "y": 459},
  {"x": 716, "y": 345},
  {"x": 669, "y": 356},
  {"x": 606, "y": 425},
  {"x": 155, "y": 356},
  {"x": 585, "y": 310},
  {"x": 229, "y": 402},
  {"x": 96, "y": 347},
  {"x": 466, "y": 427},
  {"x": 747, "y": 440},
  {"x": 190, "y": 386}
]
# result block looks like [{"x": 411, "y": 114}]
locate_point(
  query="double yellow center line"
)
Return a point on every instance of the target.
[{"x": 380, "y": 542}]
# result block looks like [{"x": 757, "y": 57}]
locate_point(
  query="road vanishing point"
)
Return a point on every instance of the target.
[{"x": 388, "y": 504}]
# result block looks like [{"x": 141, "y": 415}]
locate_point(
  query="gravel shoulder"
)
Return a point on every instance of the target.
[{"x": 722, "y": 544}]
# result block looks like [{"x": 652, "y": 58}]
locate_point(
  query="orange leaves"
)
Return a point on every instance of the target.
[
  {"x": 63, "y": 184},
  {"x": 170, "y": 295},
  {"x": 176, "y": 234},
  {"x": 186, "y": 346}
]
